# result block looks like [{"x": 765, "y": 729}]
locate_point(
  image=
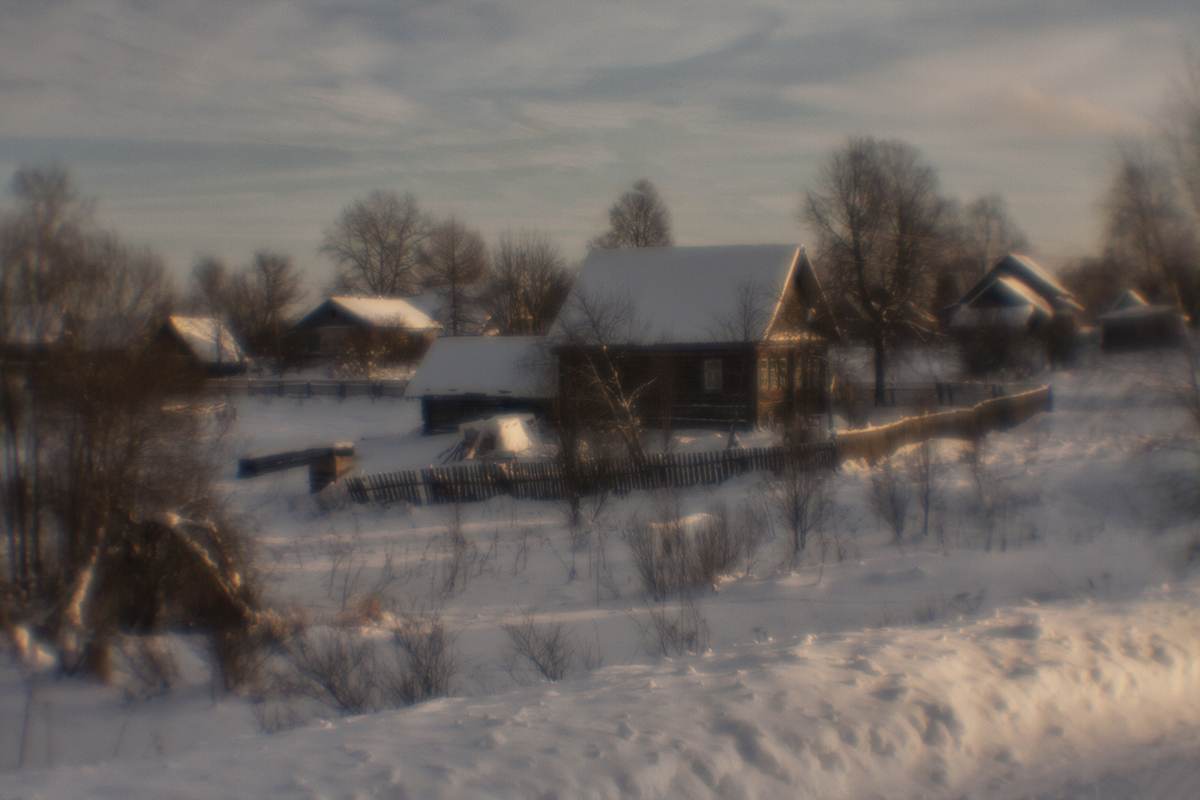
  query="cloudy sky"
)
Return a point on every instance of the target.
[{"x": 223, "y": 126}]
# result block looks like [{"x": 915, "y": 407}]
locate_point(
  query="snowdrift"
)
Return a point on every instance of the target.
[{"x": 1032, "y": 697}]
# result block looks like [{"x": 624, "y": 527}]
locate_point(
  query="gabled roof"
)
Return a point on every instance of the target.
[
  {"x": 1003, "y": 303},
  {"x": 1025, "y": 270},
  {"x": 1132, "y": 307},
  {"x": 682, "y": 295},
  {"x": 372, "y": 312},
  {"x": 1008, "y": 293},
  {"x": 207, "y": 339},
  {"x": 1130, "y": 299},
  {"x": 490, "y": 365}
]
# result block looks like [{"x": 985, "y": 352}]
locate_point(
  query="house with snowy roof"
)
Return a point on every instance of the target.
[
  {"x": 1015, "y": 294},
  {"x": 389, "y": 328},
  {"x": 723, "y": 335},
  {"x": 463, "y": 378},
  {"x": 204, "y": 342},
  {"x": 1017, "y": 315},
  {"x": 1133, "y": 323}
]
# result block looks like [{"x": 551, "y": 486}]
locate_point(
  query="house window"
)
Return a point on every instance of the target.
[
  {"x": 762, "y": 373},
  {"x": 712, "y": 375}
]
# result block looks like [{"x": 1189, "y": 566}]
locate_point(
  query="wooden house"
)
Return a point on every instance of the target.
[
  {"x": 728, "y": 335},
  {"x": 389, "y": 329},
  {"x": 205, "y": 343},
  {"x": 1017, "y": 283},
  {"x": 464, "y": 378},
  {"x": 1017, "y": 316},
  {"x": 1135, "y": 324}
]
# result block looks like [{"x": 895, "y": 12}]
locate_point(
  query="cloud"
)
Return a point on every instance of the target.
[
  {"x": 1025, "y": 108},
  {"x": 542, "y": 110}
]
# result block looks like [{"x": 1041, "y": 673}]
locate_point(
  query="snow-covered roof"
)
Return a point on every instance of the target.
[
  {"x": 1003, "y": 303},
  {"x": 1129, "y": 299},
  {"x": 209, "y": 341},
  {"x": 683, "y": 295},
  {"x": 376, "y": 312},
  {"x": 490, "y": 365},
  {"x": 1027, "y": 271}
]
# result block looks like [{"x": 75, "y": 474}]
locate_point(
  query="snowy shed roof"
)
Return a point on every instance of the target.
[
  {"x": 489, "y": 365},
  {"x": 208, "y": 339},
  {"x": 681, "y": 295},
  {"x": 374, "y": 312}
]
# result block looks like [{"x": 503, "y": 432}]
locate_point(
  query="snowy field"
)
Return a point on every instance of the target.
[{"x": 1042, "y": 641}]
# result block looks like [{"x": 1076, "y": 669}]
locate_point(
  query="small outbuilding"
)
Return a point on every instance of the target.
[
  {"x": 469, "y": 377},
  {"x": 1135, "y": 324},
  {"x": 389, "y": 329},
  {"x": 204, "y": 342}
]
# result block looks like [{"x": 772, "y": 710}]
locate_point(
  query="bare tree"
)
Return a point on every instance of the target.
[
  {"x": 453, "y": 263},
  {"x": 803, "y": 498},
  {"x": 527, "y": 284},
  {"x": 878, "y": 221},
  {"x": 639, "y": 218},
  {"x": 989, "y": 232},
  {"x": 268, "y": 291},
  {"x": 102, "y": 439},
  {"x": 751, "y": 313},
  {"x": 889, "y": 498},
  {"x": 376, "y": 245},
  {"x": 593, "y": 359},
  {"x": 211, "y": 288},
  {"x": 1184, "y": 130},
  {"x": 1150, "y": 230}
]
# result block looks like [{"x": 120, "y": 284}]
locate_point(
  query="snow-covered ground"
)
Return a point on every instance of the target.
[{"x": 1042, "y": 641}]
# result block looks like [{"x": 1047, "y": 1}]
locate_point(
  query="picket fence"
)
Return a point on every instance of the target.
[
  {"x": 547, "y": 480},
  {"x": 304, "y": 389}
]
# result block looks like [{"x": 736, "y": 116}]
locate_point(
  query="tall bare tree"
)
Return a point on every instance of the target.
[
  {"x": 639, "y": 218},
  {"x": 376, "y": 245},
  {"x": 268, "y": 290},
  {"x": 453, "y": 263},
  {"x": 1184, "y": 130},
  {"x": 527, "y": 284},
  {"x": 878, "y": 221},
  {"x": 1150, "y": 229},
  {"x": 989, "y": 232}
]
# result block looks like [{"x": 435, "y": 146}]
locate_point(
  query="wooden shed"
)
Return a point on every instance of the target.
[{"x": 468, "y": 377}]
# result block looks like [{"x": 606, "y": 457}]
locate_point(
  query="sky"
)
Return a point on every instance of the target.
[{"x": 227, "y": 126}]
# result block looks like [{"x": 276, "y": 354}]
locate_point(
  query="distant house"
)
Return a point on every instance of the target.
[
  {"x": 1135, "y": 324},
  {"x": 1014, "y": 282},
  {"x": 204, "y": 342},
  {"x": 469, "y": 377},
  {"x": 1016, "y": 316},
  {"x": 390, "y": 328},
  {"x": 699, "y": 335}
]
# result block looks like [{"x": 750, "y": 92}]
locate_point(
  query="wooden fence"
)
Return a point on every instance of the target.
[
  {"x": 546, "y": 480},
  {"x": 952, "y": 394},
  {"x": 271, "y": 387},
  {"x": 873, "y": 444}
]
